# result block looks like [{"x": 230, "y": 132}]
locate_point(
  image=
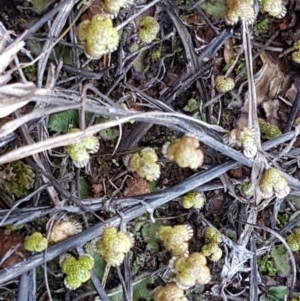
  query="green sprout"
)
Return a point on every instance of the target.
[
  {"x": 155, "y": 55},
  {"x": 261, "y": 27},
  {"x": 212, "y": 250},
  {"x": 192, "y": 105}
]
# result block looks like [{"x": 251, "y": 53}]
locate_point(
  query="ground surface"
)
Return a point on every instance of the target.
[{"x": 144, "y": 95}]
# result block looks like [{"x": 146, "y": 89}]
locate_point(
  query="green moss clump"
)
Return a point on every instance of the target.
[
  {"x": 296, "y": 54},
  {"x": 17, "y": 178},
  {"x": 293, "y": 240},
  {"x": 261, "y": 27},
  {"x": 274, "y": 8},
  {"x": 36, "y": 242},
  {"x": 175, "y": 239},
  {"x": 149, "y": 29},
  {"x": 272, "y": 182},
  {"x": 211, "y": 249},
  {"x": 269, "y": 131},
  {"x": 144, "y": 163},
  {"x": 98, "y": 35},
  {"x": 77, "y": 271},
  {"x": 80, "y": 151},
  {"x": 193, "y": 199},
  {"x": 114, "y": 244},
  {"x": 224, "y": 85}
]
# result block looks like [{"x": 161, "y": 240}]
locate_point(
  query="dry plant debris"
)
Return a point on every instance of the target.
[
  {"x": 136, "y": 186},
  {"x": 63, "y": 230},
  {"x": 11, "y": 240},
  {"x": 138, "y": 64}
]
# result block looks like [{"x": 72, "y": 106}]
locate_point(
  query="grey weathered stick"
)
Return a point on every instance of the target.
[{"x": 82, "y": 238}]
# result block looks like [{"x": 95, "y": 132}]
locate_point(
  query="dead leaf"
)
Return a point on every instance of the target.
[
  {"x": 271, "y": 109},
  {"x": 15, "y": 96},
  {"x": 237, "y": 173},
  {"x": 9, "y": 240},
  {"x": 136, "y": 186},
  {"x": 96, "y": 189},
  {"x": 9, "y": 53},
  {"x": 270, "y": 82},
  {"x": 228, "y": 51}
]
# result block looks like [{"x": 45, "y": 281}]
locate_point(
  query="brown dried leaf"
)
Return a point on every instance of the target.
[
  {"x": 15, "y": 96},
  {"x": 96, "y": 189},
  {"x": 8, "y": 240},
  {"x": 136, "y": 186},
  {"x": 270, "y": 81},
  {"x": 271, "y": 108},
  {"x": 228, "y": 51}
]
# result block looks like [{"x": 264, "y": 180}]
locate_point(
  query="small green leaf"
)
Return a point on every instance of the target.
[
  {"x": 295, "y": 200},
  {"x": 84, "y": 188},
  {"x": 59, "y": 122},
  {"x": 278, "y": 292},
  {"x": 109, "y": 134},
  {"x": 281, "y": 259},
  {"x": 216, "y": 8},
  {"x": 192, "y": 105},
  {"x": 38, "y": 6},
  {"x": 99, "y": 262},
  {"x": 261, "y": 27},
  {"x": 293, "y": 216},
  {"x": 141, "y": 291},
  {"x": 15, "y": 228},
  {"x": 149, "y": 233}
]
